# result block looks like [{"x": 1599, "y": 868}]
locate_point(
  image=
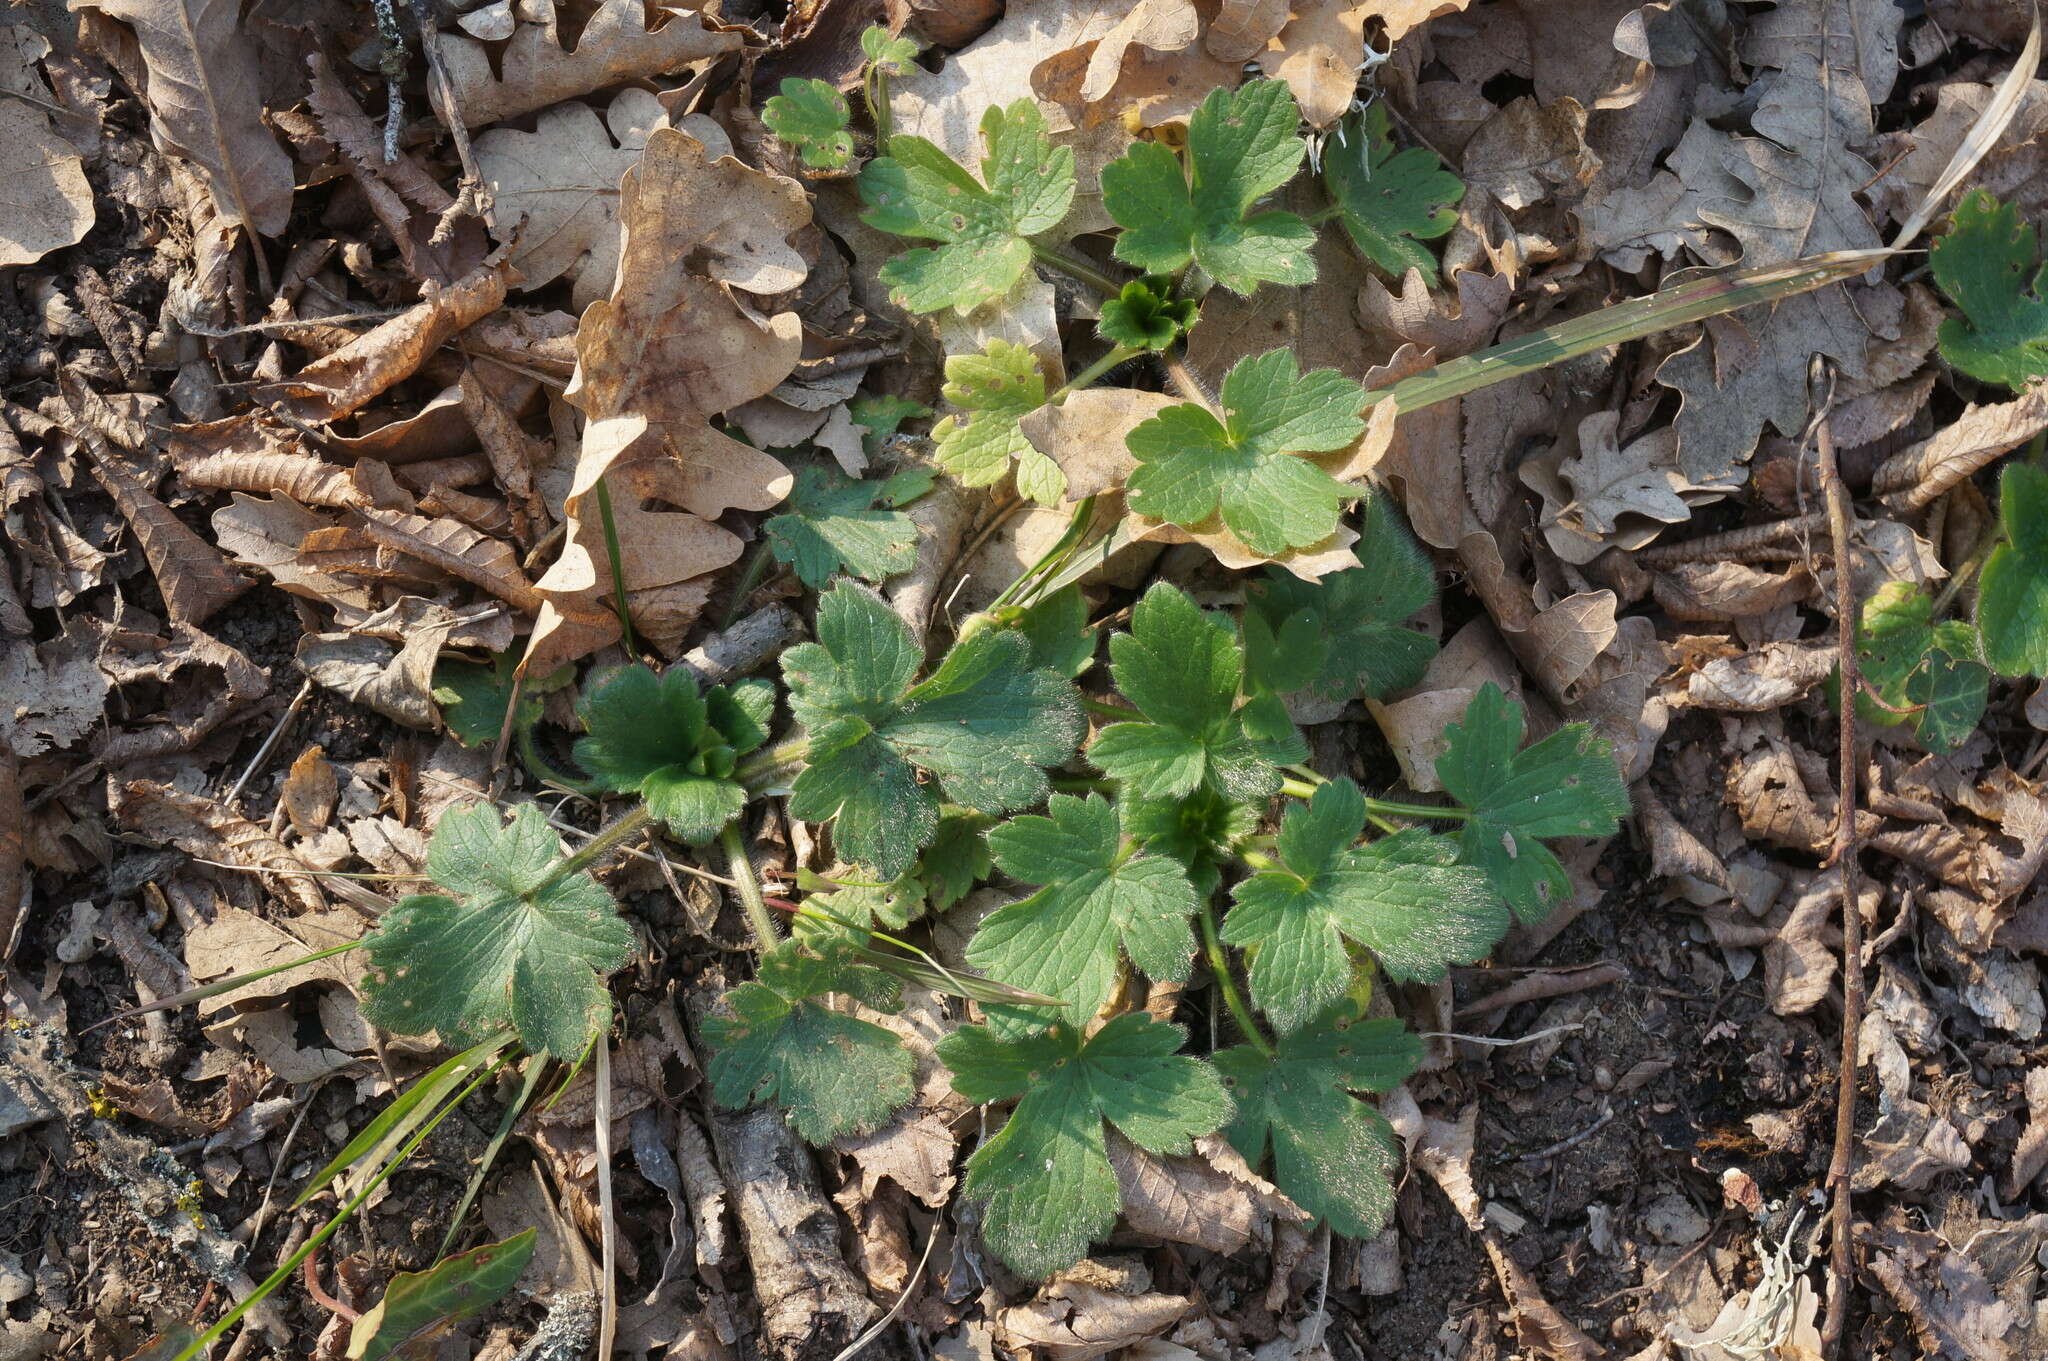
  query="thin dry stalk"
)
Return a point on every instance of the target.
[{"x": 1842, "y": 1166}]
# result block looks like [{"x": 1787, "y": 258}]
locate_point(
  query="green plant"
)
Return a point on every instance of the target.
[
  {"x": 1389, "y": 202},
  {"x": 812, "y": 117},
  {"x": 839, "y": 524},
  {"x": 1990, "y": 263}
]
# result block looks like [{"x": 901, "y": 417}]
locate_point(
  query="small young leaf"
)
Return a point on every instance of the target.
[
  {"x": 473, "y": 696},
  {"x": 2012, "y": 596},
  {"x": 1190, "y": 464},
  {"x": 956, "y": 860},
  {"x": 1343, "y": 633},
  {"x": 1989, "y": 262},
  {"x": 997, "y": 388},
  {"x": 514, "y": 946},
  {"x": 880, "y": 415},
  {"x": 1565, "y": 785},
  {"x": 891, "y": 55},
  {"x": 1242, "y": 145},
  {"x": 1197, "y": 829},
  {"x": 1389, "y": 202},
  {"x": 1046, "y": 1175},
  {"x": 1403, "y": 897},
  {"x": 832, "y": 1073},
  {"x": 811, "y": 116},
  {"x": 832, "y": 524},
  {"x": 918, "y": 190},
  {"x": 1145, "y": 315},
  {"x": 658, "y": 737},
  {"x": 1182, "y": 668},
  {"x": 983, "y": 727},
  {"x": 1332, "y": 1153},
  {"x": 1100, "y": 902},
  {"x": 419, "y": 1306},
  {"x": 1914, "y": 664}
]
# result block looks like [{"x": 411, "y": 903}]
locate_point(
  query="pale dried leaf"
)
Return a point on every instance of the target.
[
  {"x": 204, "y": 827},
  {"x": 205, "y": 89},
  {"x": 268, "y": 534},
  {"x": 1209, "y": 1199},
  {"x": 1242, "y": 28},
  {"x": 47, "y": 203},
  {"x": 1073, "y": 1321},
  {"x": 532, "y": 71},
  {"x": 309, "y": 791}
]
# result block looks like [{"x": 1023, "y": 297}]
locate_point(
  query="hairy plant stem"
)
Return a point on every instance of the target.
[
  {"x": 1184, "y": 382},
  {"x": 751, "y": 576},
  {"x": 875, "y": 86},
  {"x": 741, "y": 869},
  {"x": 1091, "y": 375},
  {"x": 757, "y": 772},
  {"x": 544, "y": 770},
  {"x": 1226, "y": 983},
  {"x": 607, "y": 840},
  {"x": 1079, "y": 269}
]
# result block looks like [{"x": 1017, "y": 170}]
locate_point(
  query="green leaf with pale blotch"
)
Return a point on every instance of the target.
[
  {"x": 1404, "y": 897},
  {"x": 1045, "y": 1176},
  {"x": 1145, "y": 315},
  {"x": 997, "y": 388},
  {"x": 1989, "y": 263},
  {"x": 514, "y": 945},
  {"x": 1102, "y": 901},
  {"x": 983, "y": 226},
  {"x": 473, "y": 696},
  {"x": 1249, "y": 464},
  {"x": 420, "y": 1306},
  {"x": 883, "y": 749},
  {"x": 2012, "y": 595},
  {"x": 892, "y": 55},
  {"x": 1182, "y": 668},
  {"x": 1389, "y": 202},
  {"x": 1333, "y": 1154},
  {"x": 1242, "y": 145},
  {"x": 1343, "y": 634},
  {"x": 835, "y": 523},
  {"x": 1928, "y": 670},
  {"x": 811, "y": 116},
  {"x": 776, "y": 1041},
  {"x": 660, "y": 738},
  {"x": 1565, "y": 785}
]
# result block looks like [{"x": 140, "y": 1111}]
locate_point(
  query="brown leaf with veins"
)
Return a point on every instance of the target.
[
  {"x": 205, "y": 89},
  {"x": 532, "y": 69},
  {"x": 667, "y": 351},
  {"x": 190, "y": 572},
  {"x": 48, "y": 204}
]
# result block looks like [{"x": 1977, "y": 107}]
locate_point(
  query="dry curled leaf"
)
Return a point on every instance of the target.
[
  {"x": 206, "y": 828},
  {"x": 190, "y": 572}
]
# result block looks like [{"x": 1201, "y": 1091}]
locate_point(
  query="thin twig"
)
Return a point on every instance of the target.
[
  {"x": 1843, "y": 855},
  {"x": 601, "y": 1122},
  {"x": 270, "y": 742}
]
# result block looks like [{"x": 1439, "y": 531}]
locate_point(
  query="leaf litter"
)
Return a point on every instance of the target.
[{"x": 275, "y": 403}]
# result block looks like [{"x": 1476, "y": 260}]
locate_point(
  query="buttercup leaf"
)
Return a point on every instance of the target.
[
  {"x": 811, "y": 116},
  {"x": 1101, "y": 902},
  {"x": 1183, "y": 669},
  {"x": 997, "y": 387},
  {"x": 982, "y": 728},
  {"x": 1565, "y": 785},
  {"x": 835, "y": 523},
  {"x": 2012, "y": 598},
  {"x": 983, "y": 227},
  {"x": 1404, "y": 897},
  {"x": 1145, "y": 315},
  {"x": 1242, "y": 145},
  {"x": 1046, "y": 1175},
  {"x": 1332, "y": 1153},
  {"x": 892, "y": 55},
  {"x": 1389, "y": 202},
  {"x": 831, "y": 1073},
  {"x": 657, "y": 736},
  {"x": 1990, "y": 263},
  {"x": 1926, "y": 669},
  {"x": 1248, "y": 465},
  {"x": 473, "y": 696},
  {"x": 511, "y": 943}
]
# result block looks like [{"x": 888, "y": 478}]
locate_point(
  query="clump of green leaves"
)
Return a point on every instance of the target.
[
  {"x": 835, "y": 523},
  {"x": 812, "y": 117},
  {"x": 1989, "y": 263},
  {"x": 1249, "y": 466},
  {"x": 677, "y": 748},
  {"x": 1146, "y": 315},
  {"x": 1919, "y": 671},
  {"x": 983, "y": 227},
  {"x": 1242, "y": 145},
  {"x": 883, "y": 747},
  {"x": 517, "y": 940},
  {"x": 1389, "y": 201}
]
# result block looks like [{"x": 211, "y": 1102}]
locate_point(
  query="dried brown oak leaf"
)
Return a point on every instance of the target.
[
  {"x": 533, "y": 70},
  {"x": 46, "y": 204},
  {"x": 341, "y": 382},
  {"x": 206, "y": 95},
  {"x": 211, "y": 830},
  {"x": 667, "y": 351}
]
